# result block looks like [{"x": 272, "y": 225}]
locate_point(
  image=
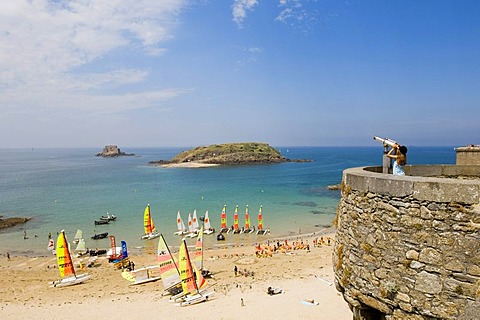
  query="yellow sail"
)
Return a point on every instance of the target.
[
  {"x": 168, "y": 269},
  {"x": 147, "y": 221},
  {"x": 247, "y": 219},
  {"x": 186, "y": 270},
  {"x": 64, "y": 260}
]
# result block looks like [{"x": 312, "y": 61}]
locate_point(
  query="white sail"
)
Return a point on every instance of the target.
[
  {"x": 81, "y": 247},
  {"x": 196, "y": 225},
  {"x": 78, "y": 236}
]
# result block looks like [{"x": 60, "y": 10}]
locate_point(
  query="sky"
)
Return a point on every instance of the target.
[{"x": 162, "y": 73}]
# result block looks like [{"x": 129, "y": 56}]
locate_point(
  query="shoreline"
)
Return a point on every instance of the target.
[
  {"x": 211, "y": 244},
  {"x": 192, "y": 164},
  {"x": 301, "y": 274}
]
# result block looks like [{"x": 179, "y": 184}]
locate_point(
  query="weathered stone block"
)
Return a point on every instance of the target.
[
  {"x": 430, "y": 255},
  {"x": 428, "y": 283},
  {"x": 412, "y": 254}
]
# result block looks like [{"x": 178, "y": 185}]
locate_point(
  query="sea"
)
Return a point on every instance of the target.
[{"x": 68, "y": 189}]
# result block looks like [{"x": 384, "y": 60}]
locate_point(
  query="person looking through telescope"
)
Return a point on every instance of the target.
[{"x": 399, "y": 154}]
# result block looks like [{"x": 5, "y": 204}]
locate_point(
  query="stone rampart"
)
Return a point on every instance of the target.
[{"x": 408, "y": 247}]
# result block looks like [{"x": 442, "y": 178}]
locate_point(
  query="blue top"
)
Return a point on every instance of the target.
[{"x": 398, "y": 169}]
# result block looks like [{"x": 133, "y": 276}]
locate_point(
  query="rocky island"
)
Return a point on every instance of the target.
[
  {"x": 11, "y": 222},
  {"x": 226, "y": 154},
  {"x": 112, "y": 151}
]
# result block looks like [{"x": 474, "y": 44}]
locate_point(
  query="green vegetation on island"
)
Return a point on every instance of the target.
[{"x": 229, "y": 154}]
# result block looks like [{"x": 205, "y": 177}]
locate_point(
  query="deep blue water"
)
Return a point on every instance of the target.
[{"x": 70, "y": 188}]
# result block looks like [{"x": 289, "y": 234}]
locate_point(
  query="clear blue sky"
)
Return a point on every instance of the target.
[{"x": 88, "y": 73}]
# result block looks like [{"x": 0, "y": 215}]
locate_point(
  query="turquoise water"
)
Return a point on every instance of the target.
[{"x": 70, "y": 188}]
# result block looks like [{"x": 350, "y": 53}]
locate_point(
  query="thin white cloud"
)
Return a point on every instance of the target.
[
  {"x": 294, "y": 14},
  {"x": 240, "y": 8},
  {"x": 45, "y": 42}
]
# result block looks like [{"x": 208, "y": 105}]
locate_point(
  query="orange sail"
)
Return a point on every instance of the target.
[
  {"x": 224, "y": 217},
  {"x": 260, "y": 219},
  {"x": 235, "y": 219},
  {"x": 64, "y": 260},
  {"x": 247, "y": 220},
  {"x": 187, "y": 275}
]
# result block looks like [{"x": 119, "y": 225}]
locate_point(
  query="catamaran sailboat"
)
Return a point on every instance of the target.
[
  {"x": 260, "y": 223},
  {"x": 65, "y": 265},
  {"x": 148, "y": 225},
  {"x": 189, "y": 276},
  {"x": 181, "y": 230},
  {"x": 207, "y": 227},
  {"x": 223, "y": 218},
  {"x": 235, "y": 228},
  {"x": 247, "y": 229}
]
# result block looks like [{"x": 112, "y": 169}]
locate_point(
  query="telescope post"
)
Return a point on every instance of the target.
[{"x": 386, "y": 160}]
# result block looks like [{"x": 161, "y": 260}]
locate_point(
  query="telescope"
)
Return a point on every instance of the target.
[{"x": 386, "y": 142}]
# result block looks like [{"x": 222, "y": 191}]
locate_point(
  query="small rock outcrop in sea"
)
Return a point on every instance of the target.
[
  {"x": 112, "y": 151},
  {"x": 229, "y": 154},
  {"x": 11, "y": 222}
]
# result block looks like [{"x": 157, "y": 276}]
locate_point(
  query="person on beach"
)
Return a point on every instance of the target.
[
  {"x": 399, "y": 154},
  {"x": 235, "y": 270},
  {"x": 8, "y": 255}
]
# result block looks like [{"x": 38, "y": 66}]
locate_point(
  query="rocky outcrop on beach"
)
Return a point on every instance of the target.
[
  {"x": 228, "y": 154},
  {"x": 11, "y": 222},
  {"x": 112, "y": 151}
]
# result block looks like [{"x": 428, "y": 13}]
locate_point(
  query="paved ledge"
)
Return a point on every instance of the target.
[{"x": 422, "y": 182}]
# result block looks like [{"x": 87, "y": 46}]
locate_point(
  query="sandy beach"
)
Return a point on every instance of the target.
[{"x": 301, "y": 274}]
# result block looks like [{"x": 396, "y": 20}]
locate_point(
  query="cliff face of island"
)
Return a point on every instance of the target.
[
  {"x": 112, "y": 151},
  {"x": 11, "y": 222},
  {"x": 228, "y": 154}
]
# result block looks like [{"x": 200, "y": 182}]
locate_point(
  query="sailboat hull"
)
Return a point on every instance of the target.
[
  {"x": 191, "y": 300},
  {"x": 70, "y": 281},
  {"x": 151, "y": 236}
]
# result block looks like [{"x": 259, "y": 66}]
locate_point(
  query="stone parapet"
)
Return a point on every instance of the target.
[{"x": 408, "y": 247}]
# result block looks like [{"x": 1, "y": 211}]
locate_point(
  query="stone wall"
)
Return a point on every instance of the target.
[
  {"x": 409, "y": 247},
  {"x": 469, "y": 155}
]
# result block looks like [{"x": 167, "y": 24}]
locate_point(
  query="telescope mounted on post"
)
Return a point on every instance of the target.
[{"x": 386, "y": 142}]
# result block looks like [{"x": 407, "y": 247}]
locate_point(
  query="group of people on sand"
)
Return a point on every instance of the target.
[
  {"x": 244, "y": 272},
  {"x": 322, "y": 241},
  {"x": 269, "y": 248}
]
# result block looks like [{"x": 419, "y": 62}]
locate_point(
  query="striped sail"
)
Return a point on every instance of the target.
[
  {"x": 260, "y": 219},
  {"x": 198, "y": 256},
  {"x": 186, "y": 271},
  {"x": 235, "y": 219},
  {"x": 247, "y": 219},
  {"x": 168, "y": 269},
  {"x": 113, "y": 246},
  {"x": 224, "y": 217},
  {"x": 64, "y": 260}
]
